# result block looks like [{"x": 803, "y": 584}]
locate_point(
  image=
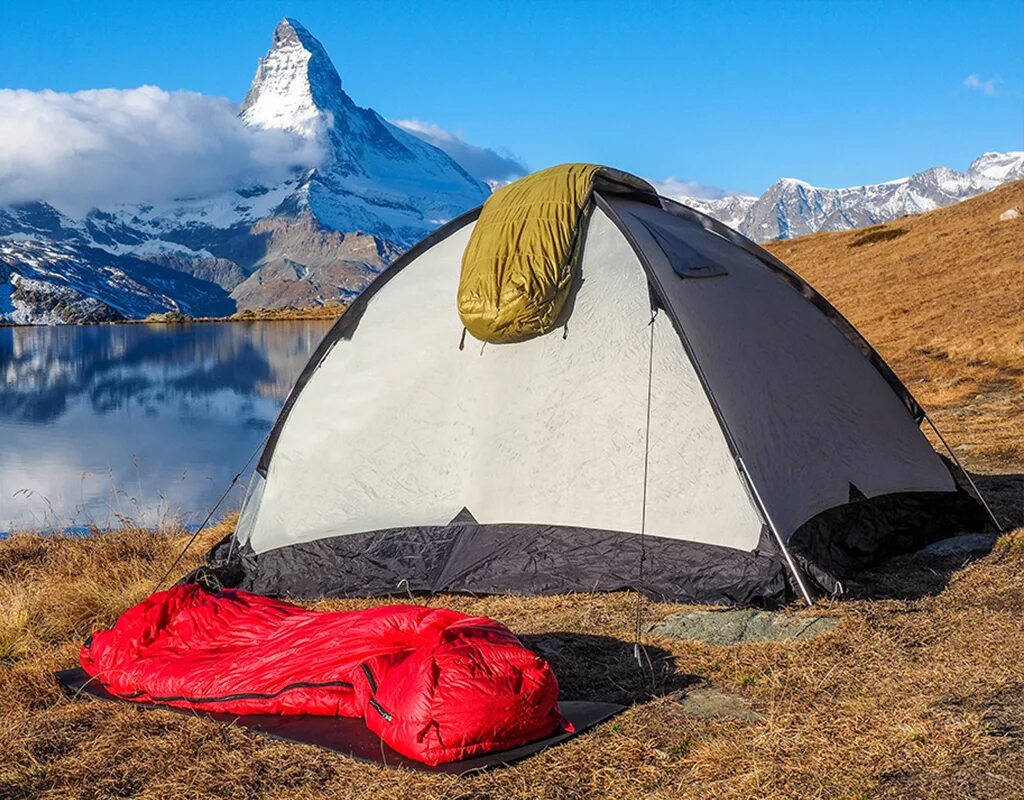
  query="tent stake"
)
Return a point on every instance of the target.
[
  {"x": 967, "y": 475},
  {"x": 778, "y": 537}
]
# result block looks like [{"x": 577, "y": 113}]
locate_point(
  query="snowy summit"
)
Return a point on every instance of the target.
[{"x": 322, "y": 234}]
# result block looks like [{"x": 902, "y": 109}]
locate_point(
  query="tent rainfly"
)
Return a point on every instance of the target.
[{"x": 657, "y": 404}]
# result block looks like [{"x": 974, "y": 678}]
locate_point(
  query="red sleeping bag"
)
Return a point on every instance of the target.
[{"x": 434, "y": 684}]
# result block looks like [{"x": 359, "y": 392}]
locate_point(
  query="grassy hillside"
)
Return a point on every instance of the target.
[
  {"x": 918, "y": 693},
  {"x": 941, "y": 297}
]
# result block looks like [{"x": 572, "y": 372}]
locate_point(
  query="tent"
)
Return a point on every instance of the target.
[{"x": 697, "y": 423}]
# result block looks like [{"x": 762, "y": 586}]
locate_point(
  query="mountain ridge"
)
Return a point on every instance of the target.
[
  {"x": 327, "y": 229},
  {"x": 320, "y": 235},
  {"x": 791, "y": 207}
]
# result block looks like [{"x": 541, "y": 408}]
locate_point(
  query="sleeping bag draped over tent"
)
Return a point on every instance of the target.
[
  {"x": 434, "y": 684},
  {"x": 518, "y": 266}
]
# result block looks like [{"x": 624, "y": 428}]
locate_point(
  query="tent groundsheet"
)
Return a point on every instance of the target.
[{"x": 350, "y": 737}]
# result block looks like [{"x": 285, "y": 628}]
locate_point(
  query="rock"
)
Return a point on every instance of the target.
[
  {"x": 966, "y": 544},
  {"x": 709, "y": 703},
  {"x": 741, "y": 625},
  {"x": 1010, "y": 213}
]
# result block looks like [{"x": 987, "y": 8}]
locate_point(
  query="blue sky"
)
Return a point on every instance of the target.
[{"x": 733, "y": 95}]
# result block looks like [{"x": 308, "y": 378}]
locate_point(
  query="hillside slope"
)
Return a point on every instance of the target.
[{"x": 941, "y": 297}]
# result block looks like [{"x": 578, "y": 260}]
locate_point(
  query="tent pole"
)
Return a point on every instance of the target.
[
  {"x": 778, "y": 537},
  {"x": 967, "y": 475}
]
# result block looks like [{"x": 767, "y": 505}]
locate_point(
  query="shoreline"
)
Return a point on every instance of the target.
[{"x": 330, "y": 311}]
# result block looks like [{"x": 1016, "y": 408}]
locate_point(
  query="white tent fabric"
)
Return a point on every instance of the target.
[{"x": 399, "y": 427}]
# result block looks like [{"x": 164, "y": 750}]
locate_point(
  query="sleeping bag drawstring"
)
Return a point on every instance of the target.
[
  {"x": 638, "y": 648},
  {"x": 209, "y": 516}
]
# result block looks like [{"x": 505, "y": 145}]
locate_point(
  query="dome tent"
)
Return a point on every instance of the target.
[{"x": 697, "y": 423}]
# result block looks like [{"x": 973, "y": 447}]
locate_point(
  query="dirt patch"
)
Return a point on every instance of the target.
[{"x": 709, "y": 703}]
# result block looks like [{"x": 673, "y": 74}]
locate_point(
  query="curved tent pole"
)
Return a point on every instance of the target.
[{"x": 967, "y": 475}]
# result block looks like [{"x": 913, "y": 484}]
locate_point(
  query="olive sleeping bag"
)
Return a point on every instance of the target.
[
  {"x": 517, "y": 269},
  {"x": 435, "y": 685}
]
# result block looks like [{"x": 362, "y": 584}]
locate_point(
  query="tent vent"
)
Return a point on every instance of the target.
[{"x": 687, "y": 262}]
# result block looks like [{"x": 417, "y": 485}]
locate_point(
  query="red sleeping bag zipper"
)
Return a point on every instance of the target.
[{"x": 434, "y": 684}]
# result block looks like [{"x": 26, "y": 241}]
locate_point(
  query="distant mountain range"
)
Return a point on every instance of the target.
[
  {"x": 325, "y": 232},
  {"x": 322, "y": 234},
  {"x": 793, "y": 208}
]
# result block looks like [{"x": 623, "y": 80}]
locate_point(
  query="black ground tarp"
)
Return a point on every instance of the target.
[{"x": 350, "y": 737}]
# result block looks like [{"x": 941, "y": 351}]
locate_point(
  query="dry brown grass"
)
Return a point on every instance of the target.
[
  {"x": 943, "y": 302},
  {"x": 917, "y": 696},
  {"x": 911, "y": 698},
  {"x": 332, "y": 309}
]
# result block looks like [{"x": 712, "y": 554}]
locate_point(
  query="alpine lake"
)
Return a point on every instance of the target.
[{"x": 142, "y": 424}]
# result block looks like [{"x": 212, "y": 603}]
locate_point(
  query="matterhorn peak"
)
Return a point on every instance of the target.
[{"x": 295, "y": 83}]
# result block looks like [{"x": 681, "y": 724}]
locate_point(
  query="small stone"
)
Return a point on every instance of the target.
[
  {"x": 709, "y": 703},
  {"x": 964, "y": 545},
  {"x": 1010, "y": 213},
  {"x": 741, "y": 625}
]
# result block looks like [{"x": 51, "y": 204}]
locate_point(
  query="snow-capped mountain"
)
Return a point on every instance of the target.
[
  {"x": 792, "y": 207},
  {"x": 322, "y": 234},
  {"x": 377, "y": 178},
  {"x": 731, "y": 209},
  {"x": 336, "y": 221}
]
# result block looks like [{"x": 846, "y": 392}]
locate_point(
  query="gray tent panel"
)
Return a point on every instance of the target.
[{"x": 807, "y": 412}]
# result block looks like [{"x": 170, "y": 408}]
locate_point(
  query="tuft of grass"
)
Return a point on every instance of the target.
[{"x": 878, "y": 234}]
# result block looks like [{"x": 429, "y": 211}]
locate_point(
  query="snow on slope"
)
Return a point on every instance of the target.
[
  {"x": 792, "y": 207},
  {"x": 377, "y": 178},
  {"x": 56, "y": 282},
  {"x": 373, "y": 180}
]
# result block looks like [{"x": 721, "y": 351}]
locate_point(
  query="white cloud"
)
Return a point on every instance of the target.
[
  {"x": 491, "y": 166},
  {"x": 677, "y": 189},
  {"x": 989, "y": 87},
  {"x": 104, "y": 146}
]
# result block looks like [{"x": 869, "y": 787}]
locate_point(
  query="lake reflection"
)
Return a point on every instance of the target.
[{"x": 140, "y": 422}]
